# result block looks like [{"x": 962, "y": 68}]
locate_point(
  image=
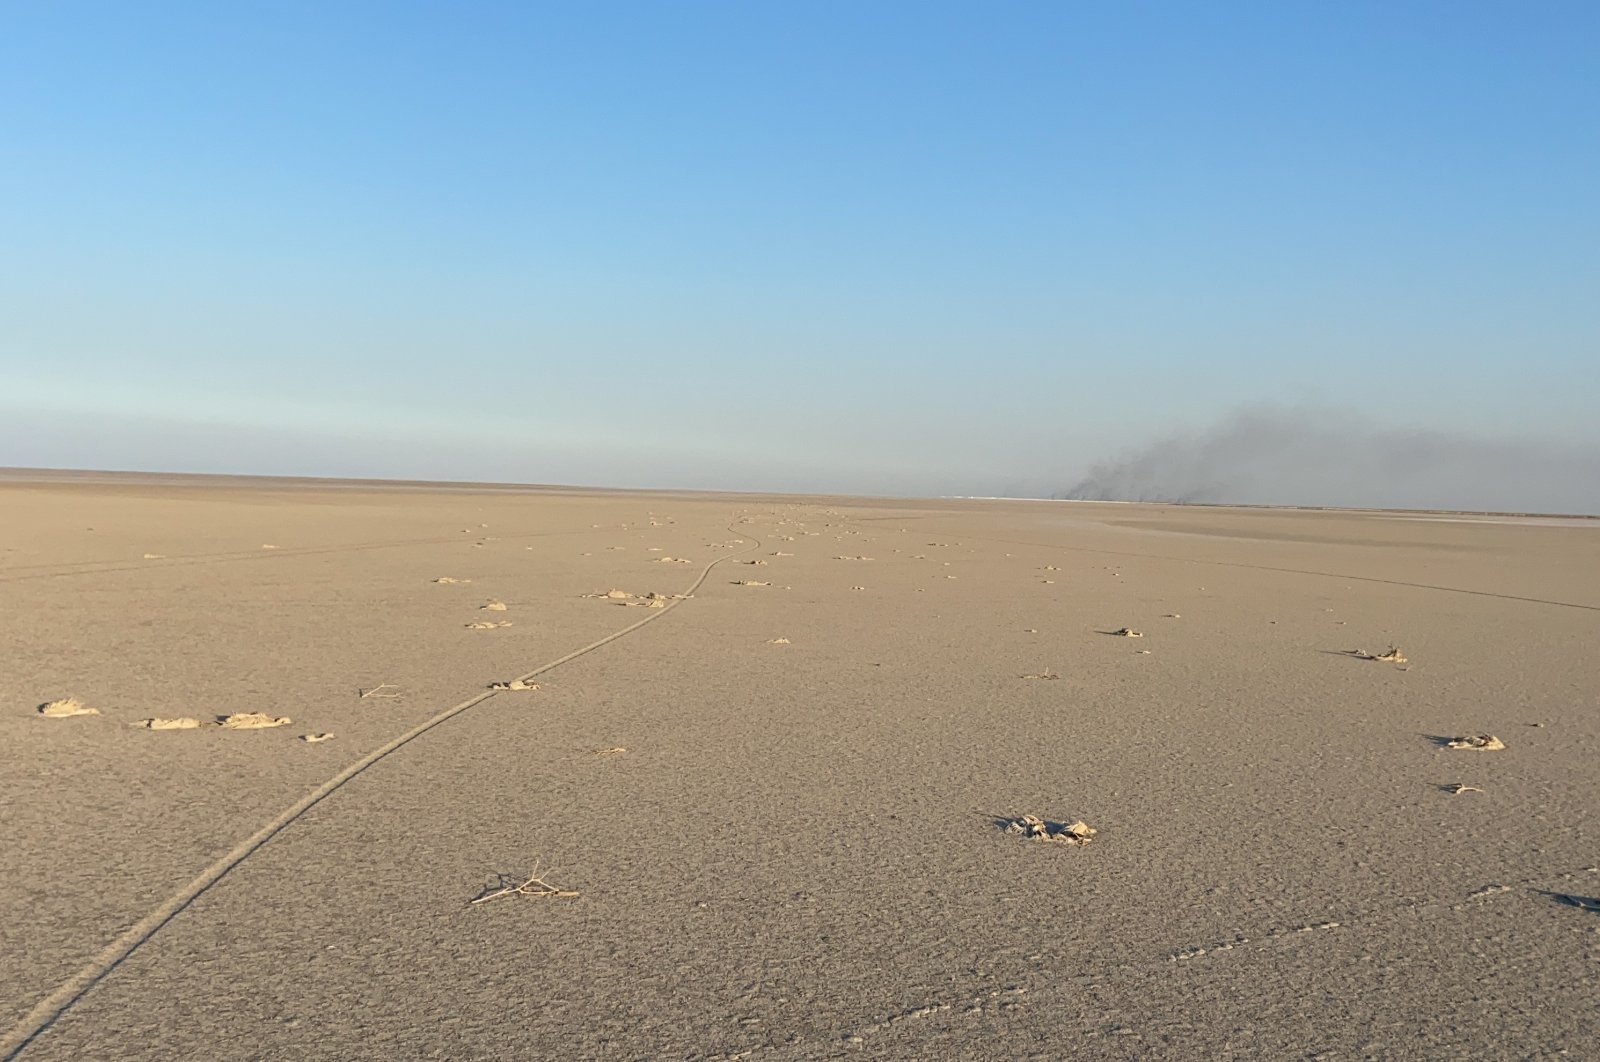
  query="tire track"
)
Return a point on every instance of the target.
[{"x": 65, "y": 995}]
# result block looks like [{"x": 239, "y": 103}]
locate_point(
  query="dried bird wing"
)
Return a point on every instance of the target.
[
  {"x": 650, "y": 600},
  {"x": 66, "y": 708},
  {"x": 181, "y": 723},
  {"x": 1482, "y": 742},
  {"x": 253, "y": 721},
  {"x": 1029, "y": 824},
  {"x": 1037, "y": 829}
]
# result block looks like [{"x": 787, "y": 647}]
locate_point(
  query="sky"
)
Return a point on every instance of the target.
[{"x": 909, "y": 248}]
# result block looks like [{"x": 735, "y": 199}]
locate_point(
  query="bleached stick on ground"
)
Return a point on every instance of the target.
[{"x": 533, "y": 886}]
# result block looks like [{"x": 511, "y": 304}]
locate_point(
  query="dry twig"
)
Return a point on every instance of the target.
[{"x": 534, "y": 886}]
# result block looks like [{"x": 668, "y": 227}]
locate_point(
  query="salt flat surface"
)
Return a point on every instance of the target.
[
  {"x": 1519, "y": 521},
  {"x": 781, "y": 800}
]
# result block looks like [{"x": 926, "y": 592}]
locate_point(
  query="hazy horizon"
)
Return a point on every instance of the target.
[
  {"x": 1260, "y": 456},
  {"x": 908, "y": 249}
]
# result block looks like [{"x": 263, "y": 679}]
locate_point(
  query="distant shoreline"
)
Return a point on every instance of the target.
[{"x": 139, "y": 477}]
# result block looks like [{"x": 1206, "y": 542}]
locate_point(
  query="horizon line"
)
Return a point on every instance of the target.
[{"x": 20, "y": 474}]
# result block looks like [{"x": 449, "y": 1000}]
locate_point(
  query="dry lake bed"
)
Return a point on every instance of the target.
[{"x": 739, "y": 776}]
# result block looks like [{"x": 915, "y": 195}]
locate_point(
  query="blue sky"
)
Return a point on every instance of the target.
[{"x": 903, "y": 247}]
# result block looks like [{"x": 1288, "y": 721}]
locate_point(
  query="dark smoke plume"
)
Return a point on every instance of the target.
[{"x": 1324, "y": 457}]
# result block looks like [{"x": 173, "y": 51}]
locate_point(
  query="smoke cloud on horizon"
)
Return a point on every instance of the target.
[{"x": 1326, "y": 457}]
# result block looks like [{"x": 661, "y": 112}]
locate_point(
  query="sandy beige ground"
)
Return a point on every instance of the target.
[{"x": 789, "y": 850}]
